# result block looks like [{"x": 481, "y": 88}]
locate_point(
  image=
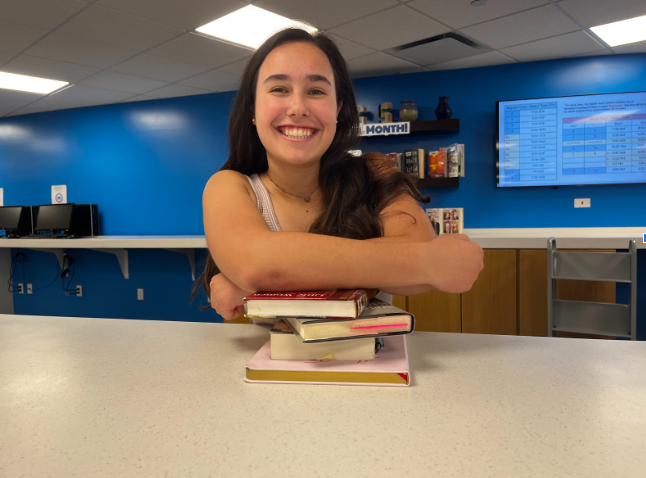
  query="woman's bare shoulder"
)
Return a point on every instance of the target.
[{"x": 227, "y": 180}]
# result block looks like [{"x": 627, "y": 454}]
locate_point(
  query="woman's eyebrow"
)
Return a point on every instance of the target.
[{"x": 284, "y": 77}]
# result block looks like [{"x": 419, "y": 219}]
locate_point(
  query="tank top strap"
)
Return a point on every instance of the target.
[{"x": 263, "y": 202}]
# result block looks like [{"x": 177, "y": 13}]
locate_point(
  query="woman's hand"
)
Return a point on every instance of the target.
[
  {"x": 453, "y": 263},
  {"x": 227, "y": 298}
]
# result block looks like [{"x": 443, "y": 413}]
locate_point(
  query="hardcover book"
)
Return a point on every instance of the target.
[
  {"x": 331, "y": 304},
  {"x": 286, "y": 345},
  {"x": 377, "y": 320},
  {"x": 415, "y": 162},
  {"x": 389, "y": 368}
]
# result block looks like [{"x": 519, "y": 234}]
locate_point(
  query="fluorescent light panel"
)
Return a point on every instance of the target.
[
  {"x": 31, "y": 84},
  {"x": 250, "y": 26},
  {"x": 625, "y": 31}
]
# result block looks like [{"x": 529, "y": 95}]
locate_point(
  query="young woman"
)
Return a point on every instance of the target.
[{"x": 291, "y": 209}]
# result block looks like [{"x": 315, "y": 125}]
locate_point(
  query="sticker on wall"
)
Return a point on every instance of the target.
[
  {"x": 59, "y": 194},
  {"x": 1, "y": 197}
]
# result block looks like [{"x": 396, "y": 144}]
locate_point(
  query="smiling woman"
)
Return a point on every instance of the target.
[{"x": 291, "y": 209}]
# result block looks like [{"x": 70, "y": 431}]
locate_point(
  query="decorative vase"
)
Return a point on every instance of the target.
[
  {"x": 408, "y": 111},
  {"x": 443, "y": 110}
]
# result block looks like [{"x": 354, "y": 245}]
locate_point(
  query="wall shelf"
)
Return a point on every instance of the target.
[{"x": 434, "y": 183}]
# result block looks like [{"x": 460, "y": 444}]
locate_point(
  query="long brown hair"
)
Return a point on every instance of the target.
[{"x": 353, "y": 191}]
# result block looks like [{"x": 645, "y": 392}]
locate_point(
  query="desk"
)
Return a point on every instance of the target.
[{"x": 109, "y": 397}]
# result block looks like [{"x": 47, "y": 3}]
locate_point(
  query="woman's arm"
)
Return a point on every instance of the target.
[{"x": 255, "y": 258}]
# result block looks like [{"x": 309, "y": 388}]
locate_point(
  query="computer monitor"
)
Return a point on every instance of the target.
[
  {"x": 54, "y": 217},
  {"x": 10, "y": 217}
]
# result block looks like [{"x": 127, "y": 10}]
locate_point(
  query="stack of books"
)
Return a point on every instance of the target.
[{"x": 334, "y": 337}]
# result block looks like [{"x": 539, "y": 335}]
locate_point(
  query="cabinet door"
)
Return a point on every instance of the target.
[
  {"x": 436, "y": 311},
  {"x": 490, "y": 306},
  {"x": 532, "y": 292}
]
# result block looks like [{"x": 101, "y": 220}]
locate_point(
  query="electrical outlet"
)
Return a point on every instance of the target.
[
  {"x": 140, "y": 294},
  {"x": 79, "y": 291},
  {"x": 585, "y": 202},
  {"x": 20, "y": 289},
  {"x": 30, "y": 289}
]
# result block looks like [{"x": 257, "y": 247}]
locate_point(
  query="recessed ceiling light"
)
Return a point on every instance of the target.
[
  {"x": 31, "y": 84},
  {"x": 625, "y": 31},
  {"x": 250, "y": 26}
]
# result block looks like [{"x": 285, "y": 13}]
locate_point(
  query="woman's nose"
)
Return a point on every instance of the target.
[{"x": 297, "y": 106}]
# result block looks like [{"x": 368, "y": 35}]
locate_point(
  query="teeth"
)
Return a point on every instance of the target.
[{"x": 297, "y": 133}]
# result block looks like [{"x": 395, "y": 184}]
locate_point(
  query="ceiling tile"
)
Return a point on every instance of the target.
[
  {"x": 172, "y": 91},
  {"x": 158, "y": 68},
  {"x": 5, "y": 56},
  {"x": 542, "y": 22},
  {"x": 350, "y": 49},
  {"x": 119, "y": 29},
  {"x": 12, "y": 100},
  {"x": 74, "y": 97},
  {"x": 57, "y": 46},
  {"x": 438, "y": 51},
  {"x": 394, "y": 27},
  {"x": 459, "y": 13},
  {"x": 325, "y": 14},
  {"x": 562, "y": 46},
  {"x": 639, "y": 47},
  {"x": 380, "y": 64},
  {"x": 201, "y": 51},
  {"x": 42, "y": 14},
  {"x": 592, "y": 13},
  {"x": 111, "y": 80},
  {"x": 50, "y": 69},
  {"x": 235, "y": 68},
  {"x": 485, "y": 59},
  {"x": 138, "y": 98},
  {"x": 178, "y": 13},
  {"x": 214, "y": 80},
  {"x": 594, "y": 53},
  {"x": 15, "y": 38}
]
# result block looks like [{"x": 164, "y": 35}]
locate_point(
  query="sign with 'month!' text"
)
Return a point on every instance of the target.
[{"x": 385, "y": 129}]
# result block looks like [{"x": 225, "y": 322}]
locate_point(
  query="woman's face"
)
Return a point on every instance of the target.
[{"x": 296, "y": 109}]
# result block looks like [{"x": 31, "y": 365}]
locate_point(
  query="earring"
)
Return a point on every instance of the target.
[{"x": 253, "y": 120}]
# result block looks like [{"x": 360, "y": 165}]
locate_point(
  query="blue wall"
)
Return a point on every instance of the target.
[
  {"x": 472, "y": 95},
  {"x": 145, "y": 165}
]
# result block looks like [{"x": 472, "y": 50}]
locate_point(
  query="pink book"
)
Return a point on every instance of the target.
[{"x": 389, "y": 368}]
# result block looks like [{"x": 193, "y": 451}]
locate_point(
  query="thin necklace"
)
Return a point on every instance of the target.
[{"x": 306, "y": 198}]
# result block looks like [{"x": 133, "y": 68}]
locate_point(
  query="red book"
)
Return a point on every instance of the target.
[{"x": 331, "y": 304}]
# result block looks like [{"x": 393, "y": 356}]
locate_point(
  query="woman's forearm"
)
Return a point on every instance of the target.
[
  {"x": 287, "y": 261},
  {"x": 408, "y": 290}
]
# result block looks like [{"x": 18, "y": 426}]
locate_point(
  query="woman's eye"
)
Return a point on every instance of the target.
[
  {"x": 317, "y": 92},
  {"x": 278, "y": 89}
]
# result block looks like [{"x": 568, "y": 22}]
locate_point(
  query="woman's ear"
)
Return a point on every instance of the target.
[{"x": 339, "y": 108}]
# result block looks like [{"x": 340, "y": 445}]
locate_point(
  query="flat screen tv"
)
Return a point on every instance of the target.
[{"x": 572, "y": 140}]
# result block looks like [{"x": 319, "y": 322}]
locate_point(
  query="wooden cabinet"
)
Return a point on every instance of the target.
[
  {"x": 436, "y": 311},
  {"x": 490, "y": 306}
]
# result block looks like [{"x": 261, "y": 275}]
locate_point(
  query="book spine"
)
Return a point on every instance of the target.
[{"x": 411, "y": 162}]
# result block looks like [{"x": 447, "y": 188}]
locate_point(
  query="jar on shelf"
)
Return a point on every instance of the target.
[
  {"x": 443, "y": 110},
  {"x": 408, "y": 111}
]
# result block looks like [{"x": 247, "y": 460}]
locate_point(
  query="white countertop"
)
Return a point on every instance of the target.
[
  {"x": 109, "y": 397},
  {"x": 568, "y": 238}
]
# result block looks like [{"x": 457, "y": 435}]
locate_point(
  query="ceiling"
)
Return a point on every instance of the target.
[{"x": 114, "y": 51}]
